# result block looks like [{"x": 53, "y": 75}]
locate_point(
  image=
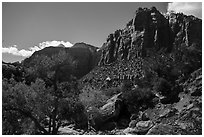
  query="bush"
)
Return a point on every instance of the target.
[
  {"x": 91, "y": 97},
  {"x": 139, "y": 98},
  {"x": 126, "y": 85},
  {"x": 162, "y": 86},
  {"x": 112, "y": 91}
]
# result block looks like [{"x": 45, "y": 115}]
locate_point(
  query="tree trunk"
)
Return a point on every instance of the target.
[
  {"x": 50, "y": 124},
  {"x": 54, "y": 125}
]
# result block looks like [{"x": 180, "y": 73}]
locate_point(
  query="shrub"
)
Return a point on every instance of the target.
[
  {"x": 138, "y": 98},
  {"x": 162, "y": 86},
  {"x": 126, "y": 85},
  {"x": 91, "y": 97},
  {"x": 112, "y": 91}
]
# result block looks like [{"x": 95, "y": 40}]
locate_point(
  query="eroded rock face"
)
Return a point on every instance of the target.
[
  {"x": 148, "y": 31},
  {"x": 186, "y": 29},
  {"x": 194, "y": 83}
]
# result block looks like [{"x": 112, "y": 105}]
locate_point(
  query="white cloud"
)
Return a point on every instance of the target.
[
  {"x": 188, "y": 8},
  {"x": 13, "y": 50},
  {"x": 25, "y": 53}
]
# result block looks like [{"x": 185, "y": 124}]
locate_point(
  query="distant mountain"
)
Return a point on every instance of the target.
[{"x": 86, "y": 56}]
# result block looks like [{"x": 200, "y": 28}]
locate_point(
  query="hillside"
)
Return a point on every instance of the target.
[
  {"x": 85, "y": 55},
  {"x": 146, "y": 35},
  {"x": 156, "y": 54}
]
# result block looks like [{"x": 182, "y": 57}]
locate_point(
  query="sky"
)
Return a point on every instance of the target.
[{"x": 28, "y": 27}]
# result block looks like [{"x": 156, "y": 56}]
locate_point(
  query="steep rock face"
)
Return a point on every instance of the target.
[
  {"x": 126, "y": 52},
  {"x": 194, "y": 83},
  {"x": 186, "y": 29},
  {"x": 148, "y": 31}
]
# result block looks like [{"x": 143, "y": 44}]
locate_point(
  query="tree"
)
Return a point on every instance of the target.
[
  {"x": 49, "y": 69},
  {"x": 44, "y": 102},
  {"x": 27, "y": 101},
  {"x": 91, "y": 97}
]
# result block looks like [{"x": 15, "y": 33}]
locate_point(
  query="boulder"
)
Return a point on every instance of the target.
[
  {"x": 118, "y": 132},
  {"x": 161, "y": 129},
  {"x": 140, "y": 127},
  {"x": 101, "y": 118},
  {"x": 144, "y": 117},
  {"x": 143, "y": 126},
  {"x": 68, "y": 131},
  {"x": 129, "y": 131},
  {"x": 167, "y": 112},
  {"x": 112, "y": 108},
  {"x": 133, "y": 123},
  {"x": 133, "y": 117}
]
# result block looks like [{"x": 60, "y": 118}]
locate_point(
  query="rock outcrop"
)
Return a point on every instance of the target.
[
  {"x": 149, "y": 43},
  {"x": 194, "y": 83},
  {"x": 109, "y": 115},
  {"x": 150, "y": 30}
]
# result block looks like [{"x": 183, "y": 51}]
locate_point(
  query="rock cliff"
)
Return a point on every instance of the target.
[{"x": 148, "y": 31}]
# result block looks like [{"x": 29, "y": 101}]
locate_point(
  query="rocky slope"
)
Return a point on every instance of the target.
[
  {"x": 149, "y": 32},
  {"x": 152, "y": 47}
]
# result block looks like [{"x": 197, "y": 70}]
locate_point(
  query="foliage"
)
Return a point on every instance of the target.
[
  {"x": 91, "y": 97},
  {"x": 37, "y": 102},
  {"x": 51, "y": 68},
  {"x": 126, "y": 86},
  {"x": 181, "y": 62},
  {"x": 112, "y": 91},
  {"x": 139, "y": 98},
  {"x": 162, "y": 86},
  {"x": 45, "y": 100},
  {"x": 129, "y": 23},
  {"x": 21, "y": 100}
]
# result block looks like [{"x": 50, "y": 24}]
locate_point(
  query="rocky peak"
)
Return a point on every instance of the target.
[
  {"x": 186, "y": 29},
  {"x": 148, "y": 31}
]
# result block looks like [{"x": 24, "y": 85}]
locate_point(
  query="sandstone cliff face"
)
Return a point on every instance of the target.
[
  {"x": 186, "y": 29},
  {"x": 149, "y": 31}
]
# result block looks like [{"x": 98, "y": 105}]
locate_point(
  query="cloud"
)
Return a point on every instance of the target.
[
  {"x": 188, "y": 8},
  {"x": 13, "y": 50},
  {"x": 26, "y": 53}
]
